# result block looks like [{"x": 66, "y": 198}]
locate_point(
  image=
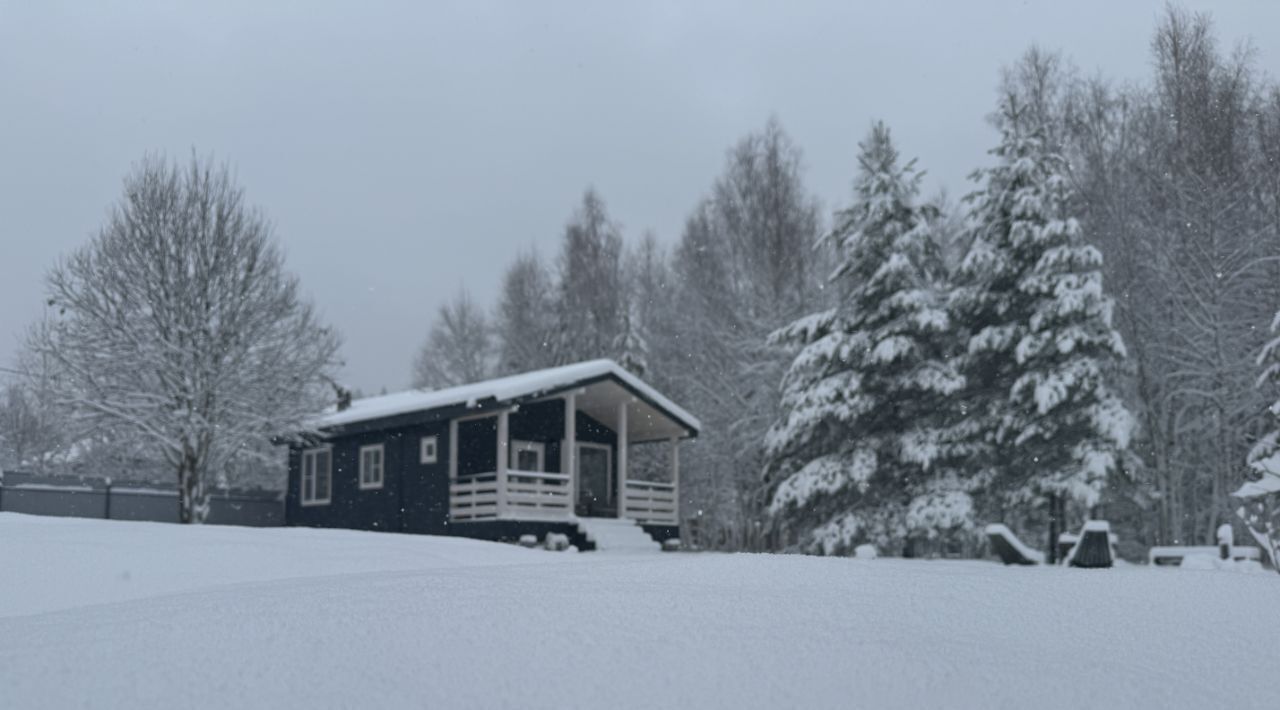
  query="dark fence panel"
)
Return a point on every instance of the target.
[{"x": 94, "y": 498}]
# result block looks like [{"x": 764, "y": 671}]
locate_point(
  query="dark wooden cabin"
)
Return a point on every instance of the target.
[{"x": 533, "y": 453}]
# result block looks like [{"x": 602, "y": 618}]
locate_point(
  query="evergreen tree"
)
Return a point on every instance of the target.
[
  {"x": 859, "y": 446},
  {"x": 1040, "y": 419},
  {"x": 1260, "y": 499}
]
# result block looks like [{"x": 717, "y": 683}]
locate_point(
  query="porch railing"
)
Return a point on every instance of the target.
[
  {"x": 530, "y": 495},
  {"x": 650, "y": 502},
  {"x": 520, "y": 494}
]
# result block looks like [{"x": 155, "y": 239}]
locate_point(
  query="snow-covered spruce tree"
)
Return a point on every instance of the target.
[
  {"x": 1260, "y": 499},
  {"x": 859, "y": 442},
  {"x": 1040, "y": 420},
  {"x": 178, "y": 329}
]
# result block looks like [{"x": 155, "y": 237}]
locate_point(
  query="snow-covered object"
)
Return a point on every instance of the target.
[
  {"x": 555, "y": 541},
  {"x": 865, "y": 552},
  {"x": 501, "y": 389},
  {"x": 862, "y": 400},
  {"x": 1095, "y": 548},
  {"x": 671, "y": 544},
  {"x": 528, "y": 541},
  {"x": 1226, "y": 534},
  {"x": 1002, "y": 532},
  {"x": 1041, "y": 330}
]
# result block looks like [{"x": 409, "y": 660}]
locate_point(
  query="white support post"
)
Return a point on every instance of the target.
[
  {"x": 675, "y": 474},
  {"x": 503, "y": 456},
  {"x": 569, "y": 456},
  {"x": 620, "y": 490},
  {"x": 453, "y": 462},
  {"x": 453, "y": 450}
]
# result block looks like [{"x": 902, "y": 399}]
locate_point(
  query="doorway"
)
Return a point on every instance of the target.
[{"x": 595, "y": 482}]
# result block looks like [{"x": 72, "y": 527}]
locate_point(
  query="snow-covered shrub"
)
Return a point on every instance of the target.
[
  {"x": 865, "y": 552},
  {"x": 528, "y": 540}
]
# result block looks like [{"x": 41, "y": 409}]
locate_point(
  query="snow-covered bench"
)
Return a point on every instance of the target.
[{"x": 1172, "y": 555}]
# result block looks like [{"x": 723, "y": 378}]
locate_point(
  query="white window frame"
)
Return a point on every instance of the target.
[
  {"x": 303, "y": 497},
  {"x": 368, "y": 482},
  {"x": 432, "y": 443},
  {"x": 537, "y": 447}
]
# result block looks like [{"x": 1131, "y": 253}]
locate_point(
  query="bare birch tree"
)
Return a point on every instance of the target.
[
  {"x": 459, "y": 348},
  {"x": 178, "y": 327},
  {"x": 524, "y": 319}
]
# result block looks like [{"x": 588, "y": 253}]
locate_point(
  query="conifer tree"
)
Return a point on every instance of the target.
[
  {"x": 858, "y": 446},
  {"x": 1041, "y": 422}
]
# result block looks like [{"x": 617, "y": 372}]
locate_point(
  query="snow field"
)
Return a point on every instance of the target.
[{"x": 486, "y": 625}]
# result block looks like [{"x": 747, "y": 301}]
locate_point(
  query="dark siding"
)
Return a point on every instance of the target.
[
  {"x": 477, "y": 446},
  {"x": 426, "y": 486},
  {"x": 413, "y": 497},
  {"x": 544, "y": 422}
]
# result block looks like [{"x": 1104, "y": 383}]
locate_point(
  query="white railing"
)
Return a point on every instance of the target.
[
  {"x": 538, "y": 495},
  {"x": 474, "y": 497},
  {"x": 520, "y": 494},
  {"x": 650, "y": 502}
]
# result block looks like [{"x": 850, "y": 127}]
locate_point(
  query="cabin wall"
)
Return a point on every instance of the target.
[{"x": 414, "y": 497}]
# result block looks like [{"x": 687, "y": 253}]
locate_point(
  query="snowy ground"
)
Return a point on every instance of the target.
[{"x": 128, "y": 615}]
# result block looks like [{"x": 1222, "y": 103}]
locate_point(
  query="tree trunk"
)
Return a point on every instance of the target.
[
  {"x": 1054, "y": 525},
  {"x": 193, "y": 504}
]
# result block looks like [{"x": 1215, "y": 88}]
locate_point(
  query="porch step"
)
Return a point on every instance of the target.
[{"x": 617, "y": 535}]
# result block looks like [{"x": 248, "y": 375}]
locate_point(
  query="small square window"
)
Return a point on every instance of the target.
[{"x": 427, "y": 450}]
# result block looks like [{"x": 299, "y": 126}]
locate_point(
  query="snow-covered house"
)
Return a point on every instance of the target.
[{"x": 534, "y": 453}]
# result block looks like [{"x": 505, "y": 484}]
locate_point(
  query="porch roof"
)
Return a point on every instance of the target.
[{"x": 513, "y": 388}]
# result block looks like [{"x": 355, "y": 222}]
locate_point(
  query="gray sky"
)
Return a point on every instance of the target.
[{"x": 403, "y": 150}]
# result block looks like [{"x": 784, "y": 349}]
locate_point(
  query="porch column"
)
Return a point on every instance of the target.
[
  {"x": 453, "y": 462},
  {"x": 503, "y": 456},
  {"x": 620, "y": 491},
  {"x": 453, "y": 450},
  {"x": 675, "y": 474},
  {"x": 568, "y": 456}
]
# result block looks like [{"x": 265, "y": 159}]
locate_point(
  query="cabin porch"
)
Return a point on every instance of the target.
[{"x": 562, "y": 458}]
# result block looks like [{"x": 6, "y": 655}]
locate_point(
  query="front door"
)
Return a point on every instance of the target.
[{"x": 595, "y": 497}]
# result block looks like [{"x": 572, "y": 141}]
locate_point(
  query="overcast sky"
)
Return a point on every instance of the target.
[{"x": 404, "y": 150}]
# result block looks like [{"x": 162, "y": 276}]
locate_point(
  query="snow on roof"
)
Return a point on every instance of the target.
[{"x": 501, "y": 389}]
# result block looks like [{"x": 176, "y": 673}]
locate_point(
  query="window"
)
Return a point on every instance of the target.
[
  {"x": 370, "y": 467},
  {"x": 427, "y": 450},
  {"x": 317, "y": 476},
  {"x": 528, "y": 455}
]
